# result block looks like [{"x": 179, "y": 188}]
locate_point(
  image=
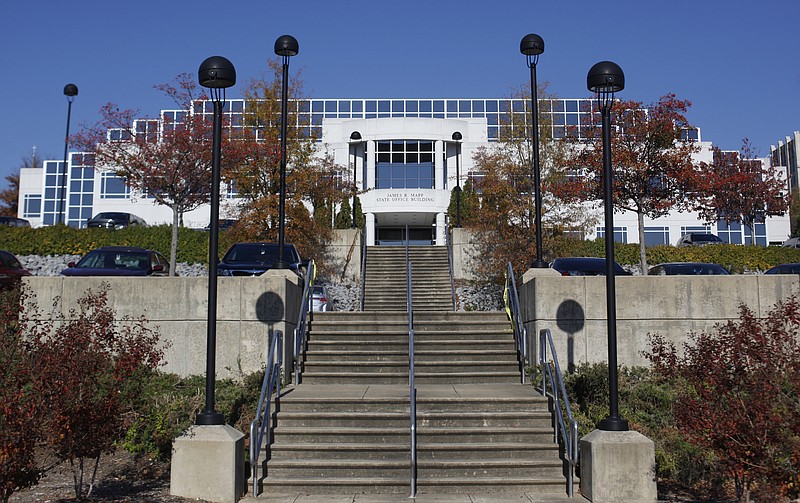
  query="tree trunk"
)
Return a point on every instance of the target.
[
  {"x": 642, "y": 251},
  {"x": 173, "y": 250}
]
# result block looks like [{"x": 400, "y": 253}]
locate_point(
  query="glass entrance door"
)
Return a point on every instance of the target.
[{"x": 396, "y": 236}]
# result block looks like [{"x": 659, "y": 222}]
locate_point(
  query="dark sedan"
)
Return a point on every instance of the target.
[
  {"x": 253, "y": 259},
  {"x": 119, "y": 261},
  {"x": 784, "y": 269},
  {"x": 11, "y": 270},
  {"x": 585, "y": 266},
  {"x": 688, "y": 268}
]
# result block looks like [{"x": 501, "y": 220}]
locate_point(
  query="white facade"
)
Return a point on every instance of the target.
[{"x": 405, "y": 164}]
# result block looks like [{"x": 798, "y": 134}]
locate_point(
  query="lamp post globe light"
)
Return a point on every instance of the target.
[
  {"x": 217, "y": 74},
  {"x": 286, "y": 46},
  {"x": 70, "y": 91},
  {"x": 532, "y": 46},
  {"x": 355, "y": 139},
  {"x": 457, "y": 138},
  {"x": 604, "y": 79}
]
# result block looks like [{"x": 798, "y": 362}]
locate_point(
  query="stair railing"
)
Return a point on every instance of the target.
[
  {"x": 363, "y": 266},
  {"x": 301, "y": 329},
  {"x": 514, "y": 312},
  {"x": 449, "y": 244},
  {"x": 558, "y": 393},
  {"x": 412, "y": 397},
  {"x": 261, "y": 425}
]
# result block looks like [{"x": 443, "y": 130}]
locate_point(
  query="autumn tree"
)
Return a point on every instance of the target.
[
  {"x": 652, "y": 165},
  {"x": 88, "y": 367},
  {"x": 168, "y": 159},
  {"x": 737, "y": 187},
  {"x": 740, "y": 396},
  {"x": 311, "y": 181},
  {"x": 504, "y": 225}
]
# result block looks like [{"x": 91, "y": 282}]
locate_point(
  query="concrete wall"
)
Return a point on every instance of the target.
[
  {"x": 574, "y": 309},
  {"x": 248, "y": 310},
  {"x": 344, "y": 254}
]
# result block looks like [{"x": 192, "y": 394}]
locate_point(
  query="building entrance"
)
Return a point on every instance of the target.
[{"x": 396, "y": 236}]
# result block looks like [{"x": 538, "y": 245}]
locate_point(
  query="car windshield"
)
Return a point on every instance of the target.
[
  {"x": 697, "y": 269},
  {"x": 709, "y": 238},
  {"x": 117, "y": 217},
  {"x": 106, "y": 259},
  {"x": 258, "y": 253}
]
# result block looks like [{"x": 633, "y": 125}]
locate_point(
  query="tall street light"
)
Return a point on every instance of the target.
[
  {"x": 70, "y": 91},
  {"x": 532, "y": 46},
  {"x": 286, "y": 46},
  {"x": 457, "y": 138},
  {"x": 355, "y": 139},
  {"x": 217, "y": 74},
  {"x": 604, "y": 79}
]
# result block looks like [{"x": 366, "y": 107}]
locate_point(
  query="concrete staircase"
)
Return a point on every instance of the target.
[
  {"x": 345, "y": 429},
  {"x": 430, "y": 279}
]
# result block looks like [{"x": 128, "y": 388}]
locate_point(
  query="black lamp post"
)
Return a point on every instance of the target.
[
  {"x": 70, "y": 91},
  {"x": 532, "y": 46},
  {"x": 604, "y": 79},
  {"x": 286, "y": 46},
  {"x": 216, "y": 73},
  {"x": 457, "y": 138},
  {"x": 355, "y": 138}
]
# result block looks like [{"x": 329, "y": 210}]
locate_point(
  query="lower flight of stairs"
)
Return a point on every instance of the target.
[{"x": 346, "y": 427}]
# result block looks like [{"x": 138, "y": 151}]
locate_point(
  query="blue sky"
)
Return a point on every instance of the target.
[{"x": 736, "y": 60}]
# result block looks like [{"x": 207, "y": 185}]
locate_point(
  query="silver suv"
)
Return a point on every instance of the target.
[{"x": 699, "y": 239}]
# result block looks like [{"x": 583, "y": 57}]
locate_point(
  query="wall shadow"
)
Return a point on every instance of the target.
[{"x": 571, "y": 318}]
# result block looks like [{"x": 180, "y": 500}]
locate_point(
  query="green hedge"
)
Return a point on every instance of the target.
[
  {"x": 737, "y": 258},
  {"x": 62, "y": 240}
]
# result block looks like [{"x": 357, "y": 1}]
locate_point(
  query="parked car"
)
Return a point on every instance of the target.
[
  {"x": 119, "y": 261},
  {"x": 253, "y": 259},
  {"x": 320, "y": 302},
  {"x": 792, "y": 243},
  {"x": 784, "y": 269},
  {"x": 691, "y": 268},
  {"x": 11, "y": 270},
  {"x": 699, "y": 239},
  {"x": 585, "y": 266},
  {"x": 223, "y": 223},
  {"x": 14, "y": 222},
  {"x": 114, "y": 220}
]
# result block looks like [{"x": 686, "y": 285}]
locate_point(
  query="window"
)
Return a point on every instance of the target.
[
  {"x": 113, "y": 187},
  {"x": 404, "y": 164},
  {"x": 32, "y": 206},
  {"x": 620, "y": 234},
  {"x": 654, "y": 236}
]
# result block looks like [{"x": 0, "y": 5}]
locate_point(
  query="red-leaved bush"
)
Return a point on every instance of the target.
[
  {"x": 87, "y": 367},
  {"x": 741, "y": 400}
]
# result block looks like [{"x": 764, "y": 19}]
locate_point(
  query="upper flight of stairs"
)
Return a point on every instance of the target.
[{"x": 385, "y": 285}]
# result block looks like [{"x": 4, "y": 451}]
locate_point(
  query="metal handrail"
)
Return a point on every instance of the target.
[
  {"x": 363, "y": 266},
  {"x": 301, "y": 329},
  {"x": 260, "y": 426},
  {"x": 514, "y": 311},
  {"x": 412, "y": 392},
  {"x": 558, "y": 393},
  {"x": 449, "y": 244}
]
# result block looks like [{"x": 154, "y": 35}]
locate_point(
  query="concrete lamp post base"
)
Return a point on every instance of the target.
[
  {"x": 618, "y": 466},
  {"x": 208, "y": 464}
]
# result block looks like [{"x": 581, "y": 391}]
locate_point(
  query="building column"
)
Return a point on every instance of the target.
[
  {"x": 370, "y": 166},
  {"x": 441, "y": 228},
  {"x": 369, "y": 227},
  {"x": 438, "y": 165}
]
